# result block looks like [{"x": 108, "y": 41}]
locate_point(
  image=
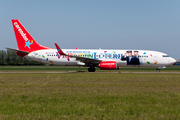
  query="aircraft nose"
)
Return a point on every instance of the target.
[{"x": 172, "y": 61}]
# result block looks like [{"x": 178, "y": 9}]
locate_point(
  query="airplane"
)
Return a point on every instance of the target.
[{"x": 105, "y": 59}]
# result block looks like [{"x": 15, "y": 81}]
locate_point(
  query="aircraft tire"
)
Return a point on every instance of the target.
[
  {"x": 91, "y": 69},
  {"x": 157, "y": 70}
]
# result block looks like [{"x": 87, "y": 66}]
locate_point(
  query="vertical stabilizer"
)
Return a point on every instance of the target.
[{"x": 24, "y": 40}]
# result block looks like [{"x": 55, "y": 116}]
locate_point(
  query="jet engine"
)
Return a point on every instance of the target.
[{"x": 108, "y": 65}]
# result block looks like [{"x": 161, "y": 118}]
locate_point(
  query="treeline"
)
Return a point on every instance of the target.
[{"x": 9, "y": 57}]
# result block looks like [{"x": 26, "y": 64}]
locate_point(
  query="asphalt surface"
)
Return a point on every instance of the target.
[{"x": 81, "y": 72}]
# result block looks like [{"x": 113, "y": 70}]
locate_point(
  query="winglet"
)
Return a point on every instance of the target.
[{"x": 59, "y": 49}]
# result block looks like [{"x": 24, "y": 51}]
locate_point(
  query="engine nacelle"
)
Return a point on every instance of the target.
[{"x": 108, "y": 65}]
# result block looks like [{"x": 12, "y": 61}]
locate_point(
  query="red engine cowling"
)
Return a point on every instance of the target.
[{"x": 108, "y": 65}]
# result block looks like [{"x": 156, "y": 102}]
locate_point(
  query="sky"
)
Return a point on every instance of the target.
[{"x": 94, "y": 24}]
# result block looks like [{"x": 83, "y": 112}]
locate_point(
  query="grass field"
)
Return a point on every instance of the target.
[{"x": 89, "y": 96}]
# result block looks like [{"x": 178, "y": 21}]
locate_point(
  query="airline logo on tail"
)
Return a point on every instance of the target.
[{"x": 27, "y": 42}]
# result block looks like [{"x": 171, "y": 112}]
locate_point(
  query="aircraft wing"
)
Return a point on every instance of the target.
[{"x": 82, "y": 59}]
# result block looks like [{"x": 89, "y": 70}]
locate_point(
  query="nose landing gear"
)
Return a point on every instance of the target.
[{"x": 157, "y": 70}]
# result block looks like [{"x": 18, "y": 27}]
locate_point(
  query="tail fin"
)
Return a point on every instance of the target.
[{"x": 24, "y": 40}]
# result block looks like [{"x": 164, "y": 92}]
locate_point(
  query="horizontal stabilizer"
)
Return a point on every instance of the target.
[{"x": 18, "y": 50}]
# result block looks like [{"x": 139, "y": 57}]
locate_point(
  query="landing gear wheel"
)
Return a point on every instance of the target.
[
  {"x": 157, "y": 70},
  {"x": 91, "y": 69}
]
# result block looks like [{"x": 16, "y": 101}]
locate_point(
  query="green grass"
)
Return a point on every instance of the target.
[
  {"x": 70, "y": 68},
  {"x": 89, "y": 96}
]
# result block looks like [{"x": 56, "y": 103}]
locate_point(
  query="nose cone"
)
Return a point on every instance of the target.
[{"x": 172, "y": 61}]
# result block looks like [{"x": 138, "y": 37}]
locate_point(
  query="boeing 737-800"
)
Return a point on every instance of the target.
[{"x": 104, "y": 59}]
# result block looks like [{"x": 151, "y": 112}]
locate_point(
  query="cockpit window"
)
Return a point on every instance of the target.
[{"x": 165, "y": 55}]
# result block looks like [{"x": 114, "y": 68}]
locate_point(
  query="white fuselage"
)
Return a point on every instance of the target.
[{"x": 147, "y": 58}]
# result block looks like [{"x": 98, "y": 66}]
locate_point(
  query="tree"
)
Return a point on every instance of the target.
[{"x": 11, "y": 58}]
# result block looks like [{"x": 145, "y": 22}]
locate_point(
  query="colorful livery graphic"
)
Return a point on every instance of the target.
[{"x": 104, "y": 59}]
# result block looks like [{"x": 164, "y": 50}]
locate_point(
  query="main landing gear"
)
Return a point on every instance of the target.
[
  {"x": 157, "y": 70},
  {"x": 91, "y": 69}
]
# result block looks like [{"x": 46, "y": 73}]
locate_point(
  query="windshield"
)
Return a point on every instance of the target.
[{"x": 165, "y": 55}]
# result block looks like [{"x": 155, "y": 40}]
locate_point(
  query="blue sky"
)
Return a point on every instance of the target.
[{"x": 106, "y": 24}]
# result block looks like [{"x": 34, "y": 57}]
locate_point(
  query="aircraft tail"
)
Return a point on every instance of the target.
[{"x": 24, "y": 40}]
